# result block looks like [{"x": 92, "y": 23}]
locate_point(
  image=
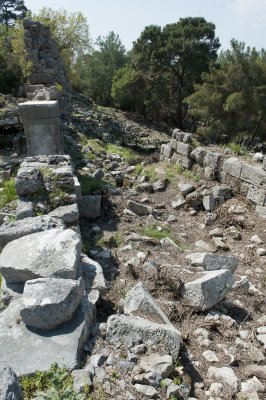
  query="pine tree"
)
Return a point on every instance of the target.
[{"x": 11, "y": 10}]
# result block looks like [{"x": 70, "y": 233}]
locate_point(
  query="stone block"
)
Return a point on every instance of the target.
[
  {"x": 138, "y": 208},
  {"x": 90, "y": 206},
  {"x": 198, "y": 154},
  {"x": 24, "y": 209},
  {"x": 77, "y": 187},
  {"x": 253, "y": 175},
  {"x": 39, "y": 110},
  {"x": 44, "y": 136},
  {"x": 47, "y": 303},
  {"x": 53, "y": 253},
  {"x": 184, "y": 162},
  {"x": 257, "y": 195},
  {"x": 183, "y": 149},
  {"x": 212, "y": 159},
  {"x": 233, "y": 166},
  {"x": 209, "y": 203},
  {"x": 209, "y": 173},
  {"x": 37, "y": 350},
  {"x": 68, "y": 214},
  {"x": 208, "y": 290},
  {"x": 9, "y": 384},
  {"x": 187, "y": 138},
  {"x": 261, "y": 210},
  {"x": 172, "y": 144},
  {"x": 264, "y": 163},
  {"x": 168, "y": 151},
  {"x": 134, "y": 330}
]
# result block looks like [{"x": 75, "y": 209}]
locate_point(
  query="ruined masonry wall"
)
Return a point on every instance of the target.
[
  {"x": 48, "y": 79},
  {"x": 247, "y": 180}
]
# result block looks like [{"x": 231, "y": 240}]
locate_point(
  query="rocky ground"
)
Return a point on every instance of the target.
[{"x": 195, "y": 270}]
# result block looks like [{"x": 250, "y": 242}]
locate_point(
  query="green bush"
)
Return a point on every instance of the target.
[{"x": 89, "y": 185}]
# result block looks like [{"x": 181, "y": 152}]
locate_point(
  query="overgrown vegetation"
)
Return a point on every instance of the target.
[
  {"x": 8, "y": 194},
  {"x": 54, "y": 384}
]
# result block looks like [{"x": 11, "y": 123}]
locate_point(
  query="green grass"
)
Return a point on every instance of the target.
[
  {"x": 172, "y": 171},
  {"x": 150, "y": 172},
  {"x": 90, "y": 185},
  {"x": 138, "y": 170},
  {"x": 127, "y": 154},
  {"x": 54, "y": 384},
  {"x": 8, "y": 194},
  {"x": 191, "y": 175},
  {"x": 152, "y": 232},
  {"x": 235, "y": 148}
]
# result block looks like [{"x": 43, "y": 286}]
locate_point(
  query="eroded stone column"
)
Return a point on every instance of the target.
[{"x": 42, "y": 125}]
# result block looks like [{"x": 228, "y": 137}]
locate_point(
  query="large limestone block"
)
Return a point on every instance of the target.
[
  {"x": 47, "y": 303},
  {"x": 39, "y": 109},
  {"x": 9, "y": 384},
  {"x": 183, "y": 149},
  {"x": 139, "y": 302},
  {"x": 232, "y": 166},
  {"x": 212, "y": 159},
  {"x": 28, "y": 181},
  {"x": 127, "y": 328},
  {"x": 12, "y": 230},
  {"x": 138, "y": 208},
  {"x": 261, "y": 210},
  {"x": 90, "y": 206},
  {"x": 206, "y": 291},
  {"x": 53, "y": 253},
  {"x": 254, "y": 176},
  {"x": 68, "y": 214},
  {"x": 27, "y": 350},
  {"x": 257, "y": 195},
  {"x": 92, "y": 273},
  {"x": 160, "y": 364}
]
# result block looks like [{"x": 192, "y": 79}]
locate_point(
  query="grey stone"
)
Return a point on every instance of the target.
[
  {"x": 186, "y": 188},
  {"x": 257, "y": 195},
  {"x": 184, "y": 162},
  {"x": 138, "y": 208},
  {"x": 209, "y": 173},
  {"x": 212, "y": 159},
  {"x": 92, "y": 273},
  {"x": 82, "y": 378},
  {"x": 223, "y": 191},
  {"x": 160, "y": 185},
  {"x": 187, "y": 138},
  {"x": 53, "y": 253},
  {"x": 261, "y": 211},
  {"x": 198, "y": 154},
  {"x": 210, "y": 356},
  {"x": 146, "y": 390},
  {"x": 264, "y": 163},
  {"x": 253, "y": 175},
  {"x": 37, "y": 351},
  {"x": 68, "y": 214},
  {"x": 209, "y": 203},
  {"x": 183, "y": 149},
  {"x": 97, "y": 360},
  {"x": 49, "y": 302},
  {"x": 206, "y": 291},
  {"x": 139, "y": 302},
  {"x": 225, "y": 375},
  {"x": 178, "y": 204},
  {"x": 153, "y": 379},
  {"x": 194, "y": 199},
  {"x": 24, "y": 209},
  {"x": 121, "y": 327},
  {"x": 12, "y": 230},
  {"x": 172, "y": 390},
  {"x": 167, "y": 150},
  {"x": 90, "y": 206},
  {"x": 233, "y": 166},
  {"x": 9, "y": 384},
  {"x": 161, "y": 364},
  {"x": 28, "y": 181},
  {"x": 212, "y": 262}
]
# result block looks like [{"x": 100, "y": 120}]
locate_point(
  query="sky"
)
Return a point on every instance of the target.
[{"x": 244, "y": 20}]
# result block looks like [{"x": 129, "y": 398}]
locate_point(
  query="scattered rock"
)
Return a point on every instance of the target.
[
  {"x": 138, "y": 208},
  {"x": 161, "y": 364},
  {"x": 185, "y": 188},
  {"x": 9, "y": 384},
  {"x": 206, "y": 291},
  {"x": 146, "y": 390}
]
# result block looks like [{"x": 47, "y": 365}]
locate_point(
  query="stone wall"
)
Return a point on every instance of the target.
[
  {"x": 246, "y": 179},
  {"x": 48, "y": 79}
]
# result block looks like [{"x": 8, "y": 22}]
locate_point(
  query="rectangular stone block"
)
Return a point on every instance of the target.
[
  {"x": 168, "y": 151},
  {"x": 261, "y": 211},
  {"x": 183, "y": 149},
  {"x": 257, "y": 195},
  {"x": 39, "y": 109},
  {"x": 254, "y": 176},
  {"x": 212, "y": 159},
  {"x": 234, "y": 182},
  {"x": 185, "y": 162},
  {"x": 44, "y": 136},
  {"x": 232, "y": 166},
  {"x": 172, "y": 144}
]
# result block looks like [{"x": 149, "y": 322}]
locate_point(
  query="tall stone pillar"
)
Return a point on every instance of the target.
[{"x": 42, "y": 125}]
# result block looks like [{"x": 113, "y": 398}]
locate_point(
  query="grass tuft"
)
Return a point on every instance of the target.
[{"x": 8, "y": 194}]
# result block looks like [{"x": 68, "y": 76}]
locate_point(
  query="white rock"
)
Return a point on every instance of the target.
[
  {"x": 162, "y": 364},
  {"x": 146, "y": 390},
  {"x": 225, "y": 375},
  {"x": 261, "y": 252},
  {"x": 210, "y": 356},
  {"x": 256, "y": 239}
]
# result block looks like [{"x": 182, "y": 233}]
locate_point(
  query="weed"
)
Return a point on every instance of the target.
[
  {"x": 163, "y": 384},
  {"x": 89, "y": 185},
  {"x": 191, "y": 175},
  {"x": 8, "y": 193},
  {"x": 114, "y": 375},
  {"x": 59, "y": 87},
  {"x": 150, "y": 172},
  {"x": 235, "y": 148},
  {"x": 128, "y": 154},
  {"x": 138, "y": 170},
  {"x": 177, "y": 381},
  {"x": 54, "y": 384},
  {"x": 171, "y": 171},
  {"x": 100, "y": 392}
]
